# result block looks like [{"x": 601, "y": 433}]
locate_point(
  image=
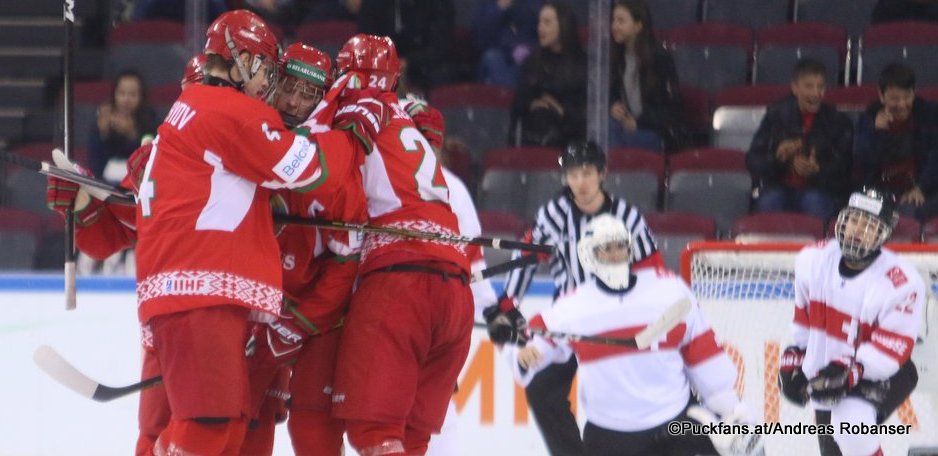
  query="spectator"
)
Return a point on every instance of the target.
[
  {"x": 504, "y": 32},
  {"x": 897, "y": 146},
  {"x": 800, "y": 156},
  {"x": 550, "y": 103},
  {"x": 905, "y": 10},
  {"x": 122, "y": 124},
  {"x": 646, "y": 104},
  {"x": 422, "y": 30}
]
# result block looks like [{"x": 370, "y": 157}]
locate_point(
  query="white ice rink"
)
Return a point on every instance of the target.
[{"x": 39, "y": 417}]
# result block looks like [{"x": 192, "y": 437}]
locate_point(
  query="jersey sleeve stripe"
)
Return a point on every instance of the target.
[{"x": 700, "y": 348}]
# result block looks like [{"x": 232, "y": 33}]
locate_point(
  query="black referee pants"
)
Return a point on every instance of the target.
[{"x": 548, "y": 395}]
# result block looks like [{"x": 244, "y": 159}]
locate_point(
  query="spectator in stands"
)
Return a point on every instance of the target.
[
  {"x": 504, "y": 33},
  {"x": 122, "y": 123},
  {"x": 905, "y": 10},
  {"x": 646, "y": 102},
  {"x": 422, "y": 31},
  {"x": 897, "y": 143},
  {"x": 800, "y": 157},
  {"x": 550, "y": 102}
]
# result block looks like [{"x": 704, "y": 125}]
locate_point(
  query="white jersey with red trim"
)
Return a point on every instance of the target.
[
  {"x": 205, "y": 234},
  {"x": 461, "y": 203},
  {"x": 406, "y": 190},
  {"x": 872, "y": 317},
  {"x": 627, "y": 389}
]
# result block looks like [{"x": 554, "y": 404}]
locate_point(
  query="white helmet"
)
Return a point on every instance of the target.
[{"x": 605, "y": 250}]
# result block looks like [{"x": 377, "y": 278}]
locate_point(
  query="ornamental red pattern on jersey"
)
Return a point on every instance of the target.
[{"x": 205, "y": 235}]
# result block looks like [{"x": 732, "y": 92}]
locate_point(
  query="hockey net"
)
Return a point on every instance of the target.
[{"x": 746, "y": 292}]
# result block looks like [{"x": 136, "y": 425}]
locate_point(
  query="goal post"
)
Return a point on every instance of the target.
[{"x": 746, "y": 291}]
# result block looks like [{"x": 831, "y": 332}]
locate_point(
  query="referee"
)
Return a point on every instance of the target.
[{"x": 560, "y": 223}]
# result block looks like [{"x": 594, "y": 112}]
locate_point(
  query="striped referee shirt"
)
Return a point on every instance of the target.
[{"x": 560, "y": 223}]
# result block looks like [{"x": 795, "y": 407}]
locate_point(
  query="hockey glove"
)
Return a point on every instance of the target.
[
  {"x": 62, "y": 195},
  {"x": 137, "y": 164},
  {"x": 363, "y": 114},
  {"x": 791, "y": 379},
  {"x": 505, "y": 323},
  {"x": 277, "y": 343},
  {"x": 834, "y": 381}
]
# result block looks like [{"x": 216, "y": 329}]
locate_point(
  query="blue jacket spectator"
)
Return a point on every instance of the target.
[{"x": 504, "y": 32}]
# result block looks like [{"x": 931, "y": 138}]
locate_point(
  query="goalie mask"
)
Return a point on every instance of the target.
[
  {"x": 605, "y": 250},
  {"x": 865, "y": 224}
]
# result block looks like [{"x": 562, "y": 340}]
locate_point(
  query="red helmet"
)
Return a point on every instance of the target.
[
  {"x": 195, "y": 70},
  {"x": 247, "y": 32},
  {"x": 373, "y": 55},
  {"x": 306, "y": 62}
]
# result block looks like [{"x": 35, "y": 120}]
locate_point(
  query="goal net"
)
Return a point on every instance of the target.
[{"x": 746, "y": 292}]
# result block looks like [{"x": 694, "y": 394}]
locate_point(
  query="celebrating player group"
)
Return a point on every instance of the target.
[{"x": 344, "y": 335}]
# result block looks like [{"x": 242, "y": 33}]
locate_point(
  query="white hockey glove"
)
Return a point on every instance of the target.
[{"x": 731, "y": 444}]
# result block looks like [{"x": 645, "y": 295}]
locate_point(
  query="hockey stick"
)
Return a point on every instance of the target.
[
  {"x": 53, "y": 364},
  {"x": 116, "y": 195},
  {"x": 98, "y": 189},
  {"x": 521, "y": 262},
  {"x": 68, "y": 16},
  {"x": 496, "y": 243},
  {"x": 671, "y": 317}
]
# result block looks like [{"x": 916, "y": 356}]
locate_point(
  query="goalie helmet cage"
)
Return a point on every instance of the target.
[{"x": 746, "y": 292}]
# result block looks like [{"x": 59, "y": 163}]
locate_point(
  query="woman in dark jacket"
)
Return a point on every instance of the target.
[
  {"x": 550, "y": 103},
  {"x": 646, "y": 103},
  {"x": 122, "y": 123}
]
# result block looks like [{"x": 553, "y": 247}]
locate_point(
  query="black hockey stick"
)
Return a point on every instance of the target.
[
  {"x": 496, "y": 243},
  {"x": 117, "y": 195},
  {"x": 52, "y": 363},
  {"x": 671, "y": 317},
  {"x": 71, "y": 253},
  {"x": 521, "y": 262}
]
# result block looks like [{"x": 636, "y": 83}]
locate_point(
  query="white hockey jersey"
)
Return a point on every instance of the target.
[
  {"x": 626, "y": 389},
  {"x": 872, "y": 317},
  {"x": 460, "y": 202}
]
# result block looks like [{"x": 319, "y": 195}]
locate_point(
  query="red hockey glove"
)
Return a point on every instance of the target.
[
  {"x": 529, "y": 238},
  {"x": 429, "y": 121},
  {"x": 137, "y": 164},
  {"x": 361, "y": 112},
  {"x": 791, "y": 379},
  {"x": 277, "y": 343},
  {"x": 62, "y": 195},
  {"x": 834, "y": 381}
]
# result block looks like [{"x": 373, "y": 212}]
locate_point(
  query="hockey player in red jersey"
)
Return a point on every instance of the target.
[
  {"x": 858, "y": 307},
  {"x": 207, "y": 258},
  {"x": 409, "y": 324},
  {"x": 431, "y": 124},
  {"x": 319, "y": 267},
  {"x": 631, "y": 395}
]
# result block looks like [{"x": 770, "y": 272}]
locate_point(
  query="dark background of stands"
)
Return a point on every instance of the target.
[{"x": 733, "y": 58}]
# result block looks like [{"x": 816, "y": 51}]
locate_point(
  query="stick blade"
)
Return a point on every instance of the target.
[
  {"x": 671, "y": 317},
  {"x": 53, "y": 364}
]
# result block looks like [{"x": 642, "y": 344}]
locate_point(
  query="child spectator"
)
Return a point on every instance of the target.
[{"x": 504, "y": 32}]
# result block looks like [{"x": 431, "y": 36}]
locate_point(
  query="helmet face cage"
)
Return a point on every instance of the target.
[
  {"x": 860, "y": 233},
  {"x": 605, "y": 250},
  {"x": 865, "y": 224}
]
